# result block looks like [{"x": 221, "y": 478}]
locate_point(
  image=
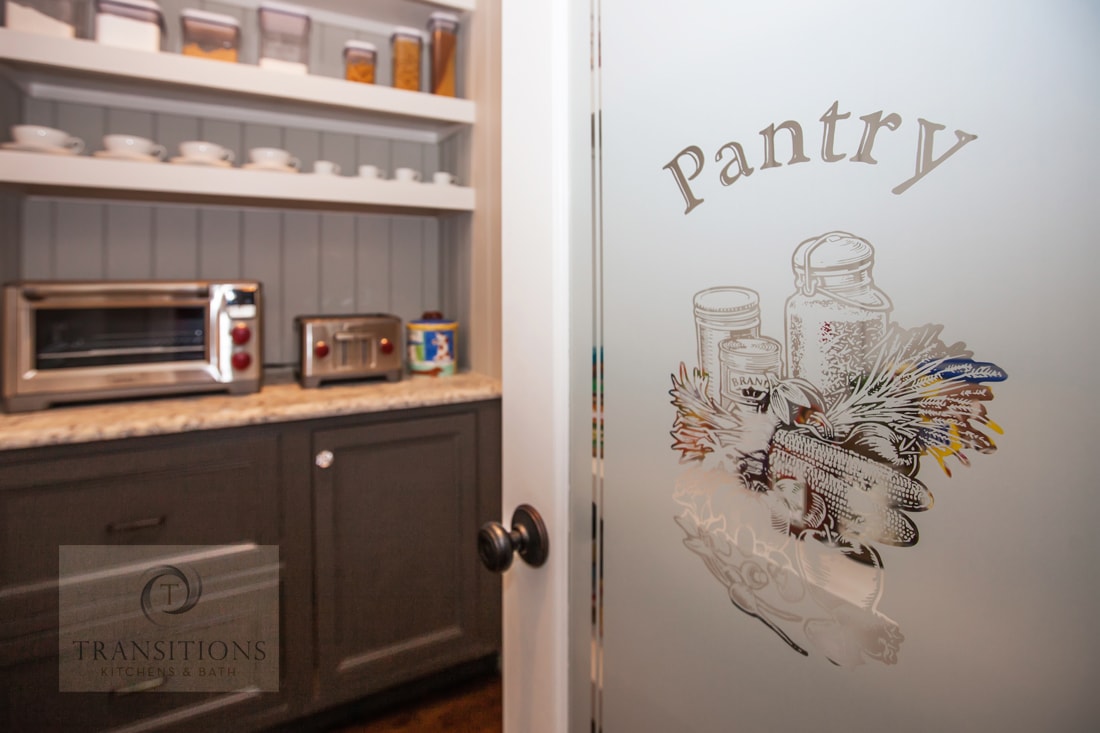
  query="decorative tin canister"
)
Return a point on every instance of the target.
[{"x": 433, "y": 346}]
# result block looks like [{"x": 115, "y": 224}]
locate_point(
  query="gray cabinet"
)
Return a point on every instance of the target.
[
  {"x": 400, "y": 591},
  {"x": 379, "y": 577},
  {"x": 211, "y": 489}
]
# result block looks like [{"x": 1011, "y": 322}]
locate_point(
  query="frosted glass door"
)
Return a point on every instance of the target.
[{"x": 847, "y": 346}]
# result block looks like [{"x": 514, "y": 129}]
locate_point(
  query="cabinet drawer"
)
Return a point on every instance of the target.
[{"x": 202, "y": 492}]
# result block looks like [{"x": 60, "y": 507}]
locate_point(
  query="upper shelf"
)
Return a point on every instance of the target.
[
  {"x": 84, "y": 175},
  {"x": 78, "y": 57}
]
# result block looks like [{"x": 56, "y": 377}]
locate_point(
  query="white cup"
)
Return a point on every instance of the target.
[
  {"x": 444, "y": 178},
  {"x": 205, "y": 151},
  {"x": 406, "y": 174},
  {"x": 45, "y": 137},
  {"x": 326, "y": 168},
  {"x": 133, "y": 145},
  {"x": 273, "y": 158},
  {"x": 371, "y": 171}
]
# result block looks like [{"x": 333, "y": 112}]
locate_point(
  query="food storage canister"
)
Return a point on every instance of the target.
[
  {"x": 360, "y": 61},
  {"x": 59, "y": 18},
  {"x": 210, "y": 35},
  {"x": 836, "y": 315},
  {"x": 723, "y": 313},
  {"x": 443, "y": 29},
  {"x": 432, "y": 345},
  {"x": 284, "y": 37},
  {"x": 129, "y": 24},
  {"x": 749, "y": 369},
  {"x": 405, "y": 45}
]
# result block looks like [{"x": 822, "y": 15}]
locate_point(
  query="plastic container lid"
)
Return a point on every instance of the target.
[
  {"x": 287, "y": 8},
  {"x": 360, "y": 46},
  {"x": 404, "y": 30},
  {"x": 442, "y": 17},
  {"x": 141, "y": 6},
  {"x": 208, "y": 17}
]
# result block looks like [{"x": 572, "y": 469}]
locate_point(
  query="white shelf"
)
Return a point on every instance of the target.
[
  {"x": 85, "y": 58},
  {"x": 85, "y": 175}
]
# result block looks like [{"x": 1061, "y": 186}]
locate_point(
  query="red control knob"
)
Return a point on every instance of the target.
[
  {"x": 386, "y": 345},
  {"x": 320, "y": 350},
  {"x": 241, "y": 334},
  {"x": 241, "y": 360}
]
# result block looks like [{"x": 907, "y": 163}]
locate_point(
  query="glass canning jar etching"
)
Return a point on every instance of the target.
[
  {"x": 723, "y": 313},
  {"x": 836, "y": 314}
]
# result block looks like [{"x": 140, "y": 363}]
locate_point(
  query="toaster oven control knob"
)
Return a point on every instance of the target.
[
  {"x": 241, "y": 334},
  {"x": 241, "y": 360},
  {"x": 386, "y": 345},
  {"x": 320, "y": 349}
]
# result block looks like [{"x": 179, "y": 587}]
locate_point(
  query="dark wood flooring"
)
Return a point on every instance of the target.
[{"x": 471, "y": 706}]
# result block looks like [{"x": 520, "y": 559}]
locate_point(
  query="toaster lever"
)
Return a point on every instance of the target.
[{"x": 353, "y": 336}]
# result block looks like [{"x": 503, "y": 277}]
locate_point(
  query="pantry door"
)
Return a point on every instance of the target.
[{"x": 800, "y": 337}]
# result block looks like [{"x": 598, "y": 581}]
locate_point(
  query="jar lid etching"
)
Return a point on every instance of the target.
[{"x": 841, "y": 270}]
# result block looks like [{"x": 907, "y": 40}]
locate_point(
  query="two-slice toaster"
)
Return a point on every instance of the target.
[{"x": 342, "y": 347}]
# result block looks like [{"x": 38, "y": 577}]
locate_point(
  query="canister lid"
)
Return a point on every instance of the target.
[
  {"x": 833, "y": 252},
  {"x": 754, "y": 355},
  {"x": 208, "y": 17},
  {"x": 442, "y": 17},
  {"x": 728, "y": 301},
  {"x": 354, "y": 45},
  {"x": 404, "y": 31},
  {"x": 148, "y": 5},
  {"x": 279, "y": 7}
]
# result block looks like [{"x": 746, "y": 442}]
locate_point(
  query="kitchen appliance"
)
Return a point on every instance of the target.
[
  {"x": 71, "y": 341},
  {"x": 348, "y": 347}
]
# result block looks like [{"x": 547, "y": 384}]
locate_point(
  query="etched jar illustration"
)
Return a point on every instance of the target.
[
  {"x": 836, "y": 314},
  {"x": 720, "y": 314},
  {"x": 749, "y": 369}
]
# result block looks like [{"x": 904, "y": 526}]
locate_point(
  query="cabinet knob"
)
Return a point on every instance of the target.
[
  {"x": 324, "y": 459},
  {"x": 528, "y": 536}
]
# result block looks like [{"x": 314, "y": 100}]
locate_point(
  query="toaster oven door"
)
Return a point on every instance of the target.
[
  {"x": 75, "y": 342},
  {"x": 141, "y": 334}
]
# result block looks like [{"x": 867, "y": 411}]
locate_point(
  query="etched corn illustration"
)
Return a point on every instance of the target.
[{"x": 864, "y": 499}]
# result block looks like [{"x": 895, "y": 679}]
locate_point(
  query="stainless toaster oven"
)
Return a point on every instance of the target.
[{"x": 82, "y": 341}]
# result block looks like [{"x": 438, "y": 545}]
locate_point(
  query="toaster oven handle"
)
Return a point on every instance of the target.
[{"x": 41, "y": 292}]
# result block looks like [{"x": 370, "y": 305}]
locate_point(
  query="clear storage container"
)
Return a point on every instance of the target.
[
  {"x": 210, "y": 35},
  {"x": 284, "y": 37},
  {"x": 360, "y": 61},
  {"x": 406, "y": 44},
  {"x": 443, "y": 29},
  {"x": 58, "y": 18},
  {"x": 129, "y": 24}
]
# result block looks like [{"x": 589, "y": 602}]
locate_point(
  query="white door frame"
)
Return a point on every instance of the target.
[{"x": 545, "y": 200}]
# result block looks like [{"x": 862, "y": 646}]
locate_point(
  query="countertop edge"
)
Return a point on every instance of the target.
[{"x": 272, "y": 404}]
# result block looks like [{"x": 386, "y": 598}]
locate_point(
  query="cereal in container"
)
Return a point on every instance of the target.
[
  {"x": 406, "y": 44},
  {"x": 360, "y": 61},
  {"x": 210, "y": 35},
  {"x": 443, "y": 29}
]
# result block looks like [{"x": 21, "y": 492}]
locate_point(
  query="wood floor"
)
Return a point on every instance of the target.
[{"x": 473, "y": 706}]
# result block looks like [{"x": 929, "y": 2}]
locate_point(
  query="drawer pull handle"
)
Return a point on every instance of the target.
[
  {"x": 324, "y": 459},
  {"x": 147, "y": 523},
  {"x": 150, "y": 684}
]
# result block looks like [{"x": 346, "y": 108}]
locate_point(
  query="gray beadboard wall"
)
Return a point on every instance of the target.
[{"x": 310, "y": 262}]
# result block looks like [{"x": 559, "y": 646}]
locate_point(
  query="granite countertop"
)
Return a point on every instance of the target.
[{"x": 275, "y": 403}]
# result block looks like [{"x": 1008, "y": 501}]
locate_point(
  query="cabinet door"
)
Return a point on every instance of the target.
[
  {"x": 213, "y": 489},
  {"x": 400, "y": 592}
]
